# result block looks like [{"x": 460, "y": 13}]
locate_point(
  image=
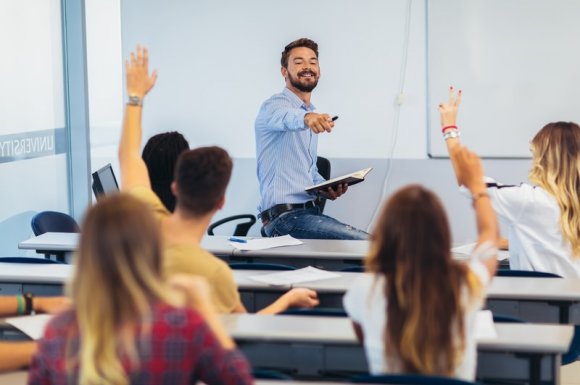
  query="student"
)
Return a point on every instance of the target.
[
  {"x": 160, "y": 155},
  {"x": 415, "y": 312},
  {"x": 542, "y": 221},
  {"x": 201, "y": 178},
  {"x": 127, "y": 326},
  {"x": 16, "y": 355}
]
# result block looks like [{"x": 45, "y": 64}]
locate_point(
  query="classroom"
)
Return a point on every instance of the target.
[{"x": 385, "y": 67}]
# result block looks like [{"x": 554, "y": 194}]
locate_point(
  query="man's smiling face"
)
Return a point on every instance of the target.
[{"x": 303, "y": 71}]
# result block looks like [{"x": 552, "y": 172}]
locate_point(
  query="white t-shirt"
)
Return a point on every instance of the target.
[
  {"x": 365, "y": 304},
  {"x": 532, "y": 219}
]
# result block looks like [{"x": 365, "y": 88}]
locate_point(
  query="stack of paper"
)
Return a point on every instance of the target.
[
  {"x": 266, "y": 243},
  {"x": 287, "y": 278}
]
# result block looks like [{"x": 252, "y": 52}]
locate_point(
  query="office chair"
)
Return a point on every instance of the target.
[
  {"x": 408, "y": 379},
  {"x": 324, "y": 168},
  {"x": 53, "y": 222},
  {"x": 241, "y": 229}
]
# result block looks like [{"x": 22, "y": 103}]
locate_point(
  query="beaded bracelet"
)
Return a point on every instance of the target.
[{"x": 20, "y": 303}]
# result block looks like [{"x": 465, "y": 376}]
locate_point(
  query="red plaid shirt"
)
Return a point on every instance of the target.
[{"x": 181, "y": 349}]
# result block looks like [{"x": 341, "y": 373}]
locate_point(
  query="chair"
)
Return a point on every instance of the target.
[
  {"x": 260, "y": 266},
  {"x": 525, "y": 273},
  {"x": 408, "y": 379},
  {"x": 53, "y": 222},
  {"x": 241, "y": 229},
  {"x": 315, "y": 312},
  {"x": 324, "y": 168}
]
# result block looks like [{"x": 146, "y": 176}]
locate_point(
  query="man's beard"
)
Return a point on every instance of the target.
[{"x": 304, "y": 87}]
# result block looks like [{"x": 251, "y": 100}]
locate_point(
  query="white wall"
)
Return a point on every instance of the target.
[{"x": 219, "y": 59}]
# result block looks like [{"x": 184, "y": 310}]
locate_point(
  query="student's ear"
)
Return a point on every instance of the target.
[{"x": 174, "y": 188}]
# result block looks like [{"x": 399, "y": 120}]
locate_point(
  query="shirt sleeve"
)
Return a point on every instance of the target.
[
  {"x": 148, "y": 196},
  {"x": 508, "y": 201},
  {"x": 38, "y": 373},
  {"x": 356, "y": 297},
  {"x": 225, "y": 291},
  {"x": 278, "y": 114}
]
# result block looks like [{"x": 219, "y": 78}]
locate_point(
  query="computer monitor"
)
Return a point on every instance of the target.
[{"x": 104, "y": 181}]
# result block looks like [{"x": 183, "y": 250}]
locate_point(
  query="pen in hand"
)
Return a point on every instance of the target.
[
  {"x": 334, "y": 118},
  {"x": 239, "y": 240}
]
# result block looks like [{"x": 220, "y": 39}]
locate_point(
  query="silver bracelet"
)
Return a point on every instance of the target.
[
  {"x": 135, "y": 100},
  {"x": 451, "y": 134}
]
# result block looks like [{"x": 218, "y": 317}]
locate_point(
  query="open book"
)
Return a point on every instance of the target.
[{"x": 349, "y": 179}]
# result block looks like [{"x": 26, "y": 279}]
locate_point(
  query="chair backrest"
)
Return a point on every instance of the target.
[
  {"x": 316, "y": 312},
  {"x": 241, "y": 229},
  {"x": 54, "y": 222},
  {"x": 260, "y": 266},
  {"x": 29, "y": 260},
  {"x": 324, "y": 168},
  {"x": 409, "y": 379},
  {"x": 525, "y": 273}
]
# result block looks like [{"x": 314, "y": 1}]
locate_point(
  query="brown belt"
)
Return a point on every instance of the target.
[{"x": 277, "y": 210}]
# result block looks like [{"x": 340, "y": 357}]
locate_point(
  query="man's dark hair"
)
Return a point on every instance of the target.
[
  {"x": 160, "y": 154},
  {"x": 202, "y": 176},
  {"x": 295, "y": 44}
]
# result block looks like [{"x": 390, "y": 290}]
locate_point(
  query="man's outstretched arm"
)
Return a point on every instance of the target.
[{"x": 139, "y": 83}]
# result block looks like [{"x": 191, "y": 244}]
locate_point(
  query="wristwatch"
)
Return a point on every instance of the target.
[
  {"x": 135, "y": 100},
  {"x": 28, "y": 305}
]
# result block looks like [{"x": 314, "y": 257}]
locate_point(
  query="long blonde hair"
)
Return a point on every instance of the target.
[
  {"x": 556, "y": 168},
  {"x": 116, "y": 280},
  {"x": 425, "y": 331}
]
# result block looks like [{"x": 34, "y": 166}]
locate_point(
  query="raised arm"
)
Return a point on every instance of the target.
[
  {"x": 470, "y": 174},
  {"x": 139, "y": 83},
  {"x": 448, "y": 113}
]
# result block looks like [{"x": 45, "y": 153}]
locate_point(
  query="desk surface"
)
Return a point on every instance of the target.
[
  {"x": 543, "y": 289},
  {"x": 329, "y": 330}
]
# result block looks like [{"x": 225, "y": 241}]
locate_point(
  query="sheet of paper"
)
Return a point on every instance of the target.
[
  {"x": 286, "y": 278},
  {"x": 484, "y": 326},
  {"x": 468, "y": 249},
  {"x": 266, "y": 243},
  {"x": 31, "y": 325}
]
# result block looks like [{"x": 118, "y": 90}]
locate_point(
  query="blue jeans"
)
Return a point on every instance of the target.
[{"x": 311, "y": 224}]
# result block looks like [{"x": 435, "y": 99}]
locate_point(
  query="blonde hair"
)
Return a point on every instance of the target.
[
  {"x": 556, "y": 168},
  {"x": 117, "y": 278},
  {"x": 411, "y": 243}
]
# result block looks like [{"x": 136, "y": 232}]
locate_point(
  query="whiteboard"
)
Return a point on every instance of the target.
[
  {"x": 517, "y": 62},
  {"x": 218, "y": 60}
]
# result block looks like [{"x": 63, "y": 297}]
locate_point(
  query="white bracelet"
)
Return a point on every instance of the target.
[{"x": 451, "y": 134}]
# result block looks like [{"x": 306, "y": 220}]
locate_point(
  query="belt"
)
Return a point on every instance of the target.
[{"x": 277, "y": 210}]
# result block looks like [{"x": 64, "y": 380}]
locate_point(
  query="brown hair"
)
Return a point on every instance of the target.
[
  {"x": 411, "y": 249},
  {"x": 295, "y": 44},
  {"x": 202, "y": 176},
  {"x": 117, "y": 278},
  {"x": 556, "y": 168}
]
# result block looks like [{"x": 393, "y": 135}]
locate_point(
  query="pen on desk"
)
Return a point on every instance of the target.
[
  {"x": 334, "y": 118},
  {"x": 239, "y": 240}
]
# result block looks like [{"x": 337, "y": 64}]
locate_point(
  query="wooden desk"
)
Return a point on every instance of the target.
[{"x": 311, "y": 347}]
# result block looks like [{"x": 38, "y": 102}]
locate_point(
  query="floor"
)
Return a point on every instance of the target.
[{"x": 570, "y": 374}]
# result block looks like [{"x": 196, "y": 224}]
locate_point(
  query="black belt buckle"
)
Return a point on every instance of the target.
[{"x": 277, "y": 210}]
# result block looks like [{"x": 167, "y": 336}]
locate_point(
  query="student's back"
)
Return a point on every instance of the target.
[
  {"x": 127, "y": 326},
  {"x": 542, "y": 220},
  {"x": 416, "y": 311}
]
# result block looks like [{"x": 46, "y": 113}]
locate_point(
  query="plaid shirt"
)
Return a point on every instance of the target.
[{"x": 181, "y": 349}]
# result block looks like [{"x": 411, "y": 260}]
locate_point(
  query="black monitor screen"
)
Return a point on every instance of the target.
[{"x": 104, "y": 181}]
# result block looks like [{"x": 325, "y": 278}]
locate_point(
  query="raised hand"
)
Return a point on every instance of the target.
[
  {"x": 448, "y": 110},
  {"x": 139, "y": 82}
]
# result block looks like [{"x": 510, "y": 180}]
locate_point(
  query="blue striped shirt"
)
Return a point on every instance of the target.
[{"x": 286, "y": 151}]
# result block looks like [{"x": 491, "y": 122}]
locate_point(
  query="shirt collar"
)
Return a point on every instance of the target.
[{"x": 297, "y": 101}]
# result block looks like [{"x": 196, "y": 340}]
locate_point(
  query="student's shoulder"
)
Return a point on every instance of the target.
[{"x": 61, "y": 324}]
